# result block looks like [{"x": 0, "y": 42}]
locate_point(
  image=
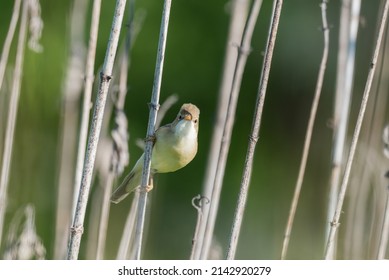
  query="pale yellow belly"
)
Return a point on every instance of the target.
[{"x": 169, "y": 158}]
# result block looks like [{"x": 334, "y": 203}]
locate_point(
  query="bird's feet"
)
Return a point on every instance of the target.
[
  {"x": 151, "y": 138},
  {"x": 149, "y": 188},
  {"x": 146, "y": 189}
]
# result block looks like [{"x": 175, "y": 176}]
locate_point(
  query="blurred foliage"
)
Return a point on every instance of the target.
[{"x": 193, "y": 67}]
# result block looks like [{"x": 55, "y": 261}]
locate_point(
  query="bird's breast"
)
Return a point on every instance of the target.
[{"x": 174, "y": 148}]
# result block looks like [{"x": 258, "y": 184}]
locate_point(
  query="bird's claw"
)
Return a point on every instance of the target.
[
  {"x": 149, "y": 188},
  {"x": 146, "y": 189},
  {"x": 151, "y": 138}
]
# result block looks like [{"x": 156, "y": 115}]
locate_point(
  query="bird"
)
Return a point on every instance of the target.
[{"x": 174, "y": 146}]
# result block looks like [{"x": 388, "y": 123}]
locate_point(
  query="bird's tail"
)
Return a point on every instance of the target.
[
  {"x": 118, "y": 195},
  {"x": 128, "y": 185}
]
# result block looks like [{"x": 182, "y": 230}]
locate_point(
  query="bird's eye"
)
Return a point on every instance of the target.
[
  {"x": 180, "y": 117},
  {"x": 195, "y": 121}
]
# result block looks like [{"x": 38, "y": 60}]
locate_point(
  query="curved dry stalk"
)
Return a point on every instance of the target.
[
  {"x": 244, "y": 50},
  {"x": 244, "y": 186},
  {"x": 308, "y": 136},
  {"x": 349, "y": 20},
  {"x": 197, "y": 203},
  {"x": 154, "y": 106},
  {"x": 72, "y": 89},
  {"x": 360, "y": 233},
  {"x": 12, "y": 114},
  {"x": 105, "y": 77},
  {"x": 119, "y": 151},
  {"x": 86, "y": 104},
  {"x": 165, "y": 106},
  {"x": 8, "y": 40},
  {"x": 335, "y": 221},
  {"x": 237, "y": 23}
]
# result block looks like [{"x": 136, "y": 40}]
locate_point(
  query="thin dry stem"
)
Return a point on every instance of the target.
[
  {"x": 165, "y": 106},
  {"x": 12, "y": 114},
  {"x": 244, "y": 50},
  {"x": 308, "y": 136},
  {"x": 383, "y": 244},
  {"x": 119, "y": 151},
  {"x": 125, "y": 251},
  {"x": 86, "y": 104},
  {"x": 344, "y": 84},
  {"x": 72, "y": 88},
  {"x": 154, "y": 106},
  {"x": 238, "y": 19},
  {"x": 105, "y": 77},
  {"x": 197, "y": 203},
  {"x": 244, "y": 186},
  {"x": 384, "y": 234},
  {"x": 103, "y": 226},
  {"x": 354, "y": 142},
  {"x": 8, "y": 40},
  {"x": 128, "y": 232},
  {"x": 365, "y": 203}
]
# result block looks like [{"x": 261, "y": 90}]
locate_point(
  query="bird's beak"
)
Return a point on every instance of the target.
[{"x": 188, "y": 117}]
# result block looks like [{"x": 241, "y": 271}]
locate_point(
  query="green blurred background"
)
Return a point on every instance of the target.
[{"x": 193, "y": 67}]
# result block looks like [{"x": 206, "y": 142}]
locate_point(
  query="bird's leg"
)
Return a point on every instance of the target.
[
  {"x": 151, "y": 138},
  {"x": 150, "y": 186}
]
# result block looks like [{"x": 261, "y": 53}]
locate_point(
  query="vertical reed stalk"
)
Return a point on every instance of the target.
[
  {"x": 128, "y": 231},
  {"x": 383, "y": 244},
  {"x": 237, "y": 23},
  {"x": 244, "y": 186},
  {"x": 105, "y": 209},
  {"x": 344, "y": 83},
  {"x": 125, "y": 249},
  {"x": 72, "y": 88},
  {"x": 154, "y": 106},
  {"x": 244, "y": 50},
  {"x": 308, "y": 136},
  {"x": 335, "y": 221},
  {"x": 94, "y": 134},
  {"x": 86, "y": 104},
  {"x": 8, "y": 40},
  {"x": 119, "y": 156},
  {"x": 12, "y": 114}
]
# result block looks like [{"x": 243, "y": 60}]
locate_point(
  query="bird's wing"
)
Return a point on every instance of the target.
[
  {"x": 130, "y": 182},
  {"x": 122, "y": 191}
]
